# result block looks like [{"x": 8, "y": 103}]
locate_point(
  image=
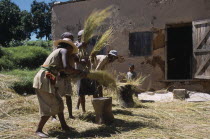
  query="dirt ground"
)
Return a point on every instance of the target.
[{"x": 179, "y": 119}]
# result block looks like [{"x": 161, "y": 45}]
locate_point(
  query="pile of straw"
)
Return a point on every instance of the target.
[
  {"x": 5, "y": 83},
  {"x": 94, "y": 21},
  {"x": 103, "y": 77},
  {"x": 18, "y": 106},
  {"x": 7, "y": 80},
  {"x": 103, "y": 41}
]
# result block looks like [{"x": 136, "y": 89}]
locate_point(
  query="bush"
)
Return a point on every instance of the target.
[
  {"x": 25, "y": 82},
  {"x": 41, "y": 43},
  {"x": 15, "y": 43},
  {"x": 29, "y": 57}
]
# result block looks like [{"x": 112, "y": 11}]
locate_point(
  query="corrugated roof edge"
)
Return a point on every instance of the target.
[{"x": 61, "y": 3}]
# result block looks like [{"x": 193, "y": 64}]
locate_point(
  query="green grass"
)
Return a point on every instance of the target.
[
  {"x": 40, "y": 43},
  {"x": 22, "y": 57}
]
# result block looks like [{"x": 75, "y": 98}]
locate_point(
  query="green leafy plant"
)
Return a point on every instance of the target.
[{"x": 29, "y": 57}]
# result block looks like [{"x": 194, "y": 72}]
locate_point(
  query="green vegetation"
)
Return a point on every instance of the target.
[
  {"x": 18, "y": 66},
  {"x": 17, "y": 25},
  {"x": 41, "y": 13},
  {"x": 22, "y": 57},
  {"x": 11, "y": 25},
  {"x": 41, "y": 43}
]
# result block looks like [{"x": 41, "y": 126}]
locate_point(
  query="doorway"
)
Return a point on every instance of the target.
[{"x": 179, "y": 52}]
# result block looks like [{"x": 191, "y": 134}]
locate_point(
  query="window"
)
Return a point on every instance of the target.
[{"x": 140, "y": 43}]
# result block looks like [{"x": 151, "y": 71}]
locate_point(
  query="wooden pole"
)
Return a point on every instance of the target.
[{"x": 103, "y": 110}]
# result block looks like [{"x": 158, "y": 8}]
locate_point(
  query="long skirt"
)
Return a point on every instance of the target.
[{"x": 49, "y": 103}]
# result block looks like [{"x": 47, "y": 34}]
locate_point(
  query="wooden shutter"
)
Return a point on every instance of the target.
[
  {"x": 140, "y": 43},
  {"x": 201, "y": 49}
]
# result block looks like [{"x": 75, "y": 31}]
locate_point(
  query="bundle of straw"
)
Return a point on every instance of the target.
[
  {"x": 93, "y": 21},
  {"x": 103, "y": 41},
  {"x": 103, "y": 77}
]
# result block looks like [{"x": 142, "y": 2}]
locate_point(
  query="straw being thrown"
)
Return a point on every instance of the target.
[
  {"x": 103, "y": 41},
  {"x": 103, "y": 77},
  {"x": 94, "y": 21},
  {"x": 107, "y": 80}
]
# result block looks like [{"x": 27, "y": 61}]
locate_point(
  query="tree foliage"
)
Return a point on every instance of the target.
[
  {"x": 41, "y": 13},
  {"x": 11, "y": 27},
  {"x": 27, "y": 23},
  {"x": 17, "y": 25}
]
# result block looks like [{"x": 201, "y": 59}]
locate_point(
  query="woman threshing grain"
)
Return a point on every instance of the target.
[
  {"x": 100, "y": 62},
  {"x": 50, "y": 83},
  {"x": 85, "y": 86},
  {"x": 68, "y": 93}
]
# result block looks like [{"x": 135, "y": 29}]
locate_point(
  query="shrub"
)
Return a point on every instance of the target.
[
  {"x": 6, "y": 63},
  {"x": 25, "y": 82},
  {"x": 15, "y": 43},
  {"x": 29, "y": 57},
  {"x": 41, "y": 43}
]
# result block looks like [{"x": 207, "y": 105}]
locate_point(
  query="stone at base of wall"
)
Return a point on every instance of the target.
[
  {"x": 179, "y": 93},
  {"x": 169, "y": 97}
]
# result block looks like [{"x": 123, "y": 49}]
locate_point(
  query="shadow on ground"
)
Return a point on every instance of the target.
[
  {"x": 88, "y": 117},
  {"x": 116, "y": 127},
  {"x": 123, "y": 112}
]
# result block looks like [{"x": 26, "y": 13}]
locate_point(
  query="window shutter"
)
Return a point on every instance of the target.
[
  {"x": 201, "y": 49},
  {"x": 140, "y": 43}
]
